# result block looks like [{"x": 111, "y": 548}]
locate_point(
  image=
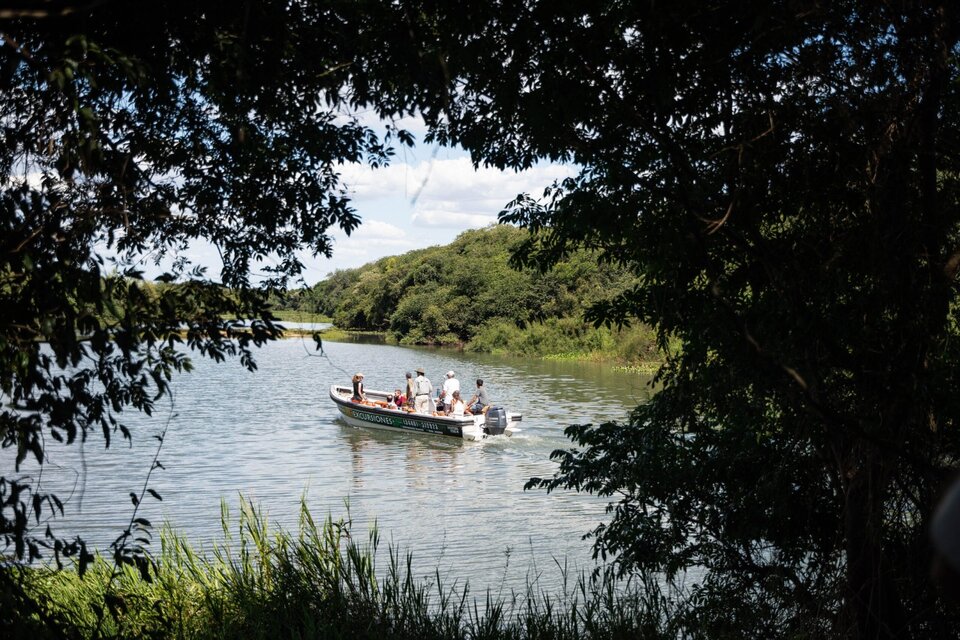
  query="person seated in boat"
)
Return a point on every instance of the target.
[
  {"x": 358, "y": 395},
  {"x": 456, "y": 406},
  {"x": 399, "y": 399},
  {"x": 480, "y": 402},
  {"x": 391, "y": 402}
]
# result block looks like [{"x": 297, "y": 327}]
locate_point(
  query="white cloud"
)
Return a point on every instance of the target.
[
  {"x": 373, "y": 237},
  {"x": 448, "y": 192},
  {"x": 411, "y": 205},
  {"x": 33, "y": 179},
  {"x": 451, "y": 220},
  {"x": 368, "y": 118},
  {"x": 374, "y": 230},
  {"x": 408, "y": 206}
]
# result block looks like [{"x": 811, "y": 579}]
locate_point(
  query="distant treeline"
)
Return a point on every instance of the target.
[{"x": 467, "y": 294}]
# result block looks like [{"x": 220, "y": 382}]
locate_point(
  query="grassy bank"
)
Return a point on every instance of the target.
[
  {"x": 631, "y": 350},
  {"x": 572, "y": 339},
  {"x": 300, "y": 316},
  {"x": 320, "y": 583}
]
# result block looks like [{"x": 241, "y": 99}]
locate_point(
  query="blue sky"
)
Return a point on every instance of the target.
[
  {"x": 422, "y": 202},
  {"x": 427, "y": 196}
]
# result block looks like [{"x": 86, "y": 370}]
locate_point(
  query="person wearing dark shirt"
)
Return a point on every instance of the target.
[
  {"x": 480, "y": 401},
  {"x": 411, "y": 393},
  {"x": 358, "y": 388}
]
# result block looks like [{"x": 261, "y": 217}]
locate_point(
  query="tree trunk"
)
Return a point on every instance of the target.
[{"x": 875, "y": 607}]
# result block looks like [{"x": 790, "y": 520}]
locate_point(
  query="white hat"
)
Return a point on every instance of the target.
[
  {"x": 945, "y": 528},
  {"x": 449, "y": 374}
]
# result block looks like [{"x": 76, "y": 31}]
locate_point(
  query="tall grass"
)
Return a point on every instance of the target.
[
  {"x": 291, "y": 315},
  {"x": 569, "y": 339},
  {"x": 321, "y": 582}
]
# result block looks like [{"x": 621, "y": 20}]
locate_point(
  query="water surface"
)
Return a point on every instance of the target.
[{"x": 274, "y": 435}]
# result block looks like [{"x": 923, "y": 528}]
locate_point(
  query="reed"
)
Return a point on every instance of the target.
[
  {"x": 577, "y": 356},
  {"x": 321, "y": 582}
]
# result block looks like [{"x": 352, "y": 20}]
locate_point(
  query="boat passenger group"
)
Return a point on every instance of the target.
[{"x": 418, "y": 397}]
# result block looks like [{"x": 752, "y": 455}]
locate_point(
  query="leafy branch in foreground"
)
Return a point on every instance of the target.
[
  {"x": 782, "y": 179},
  {"x": 131, "y": 135}
]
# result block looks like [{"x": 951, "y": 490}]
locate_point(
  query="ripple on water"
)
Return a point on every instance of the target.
[{"x": 274, "y": 436}]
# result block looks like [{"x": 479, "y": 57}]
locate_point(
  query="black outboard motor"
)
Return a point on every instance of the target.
[{"x": 496, "y": 421}]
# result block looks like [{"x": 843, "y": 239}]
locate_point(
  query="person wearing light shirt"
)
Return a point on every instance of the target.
[
  {"x": 450, "y": 385},
  {"x": 457, "y": 407},
  {"x": 422, "y": 390}
]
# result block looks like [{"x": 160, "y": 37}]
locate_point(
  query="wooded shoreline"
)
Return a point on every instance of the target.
[
  {"x": 467, "y": 295},
  {"x": 333, "y": 334}
]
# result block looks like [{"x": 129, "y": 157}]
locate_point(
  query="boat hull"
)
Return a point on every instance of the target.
[{"x": 363, "y": 415}]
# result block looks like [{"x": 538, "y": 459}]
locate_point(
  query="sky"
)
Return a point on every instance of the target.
[
  {"x": 418, "y": 202},
  {"x": 427, "y": 196}
]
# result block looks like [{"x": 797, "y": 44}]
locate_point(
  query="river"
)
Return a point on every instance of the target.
[{"x": 274, "y": 435}]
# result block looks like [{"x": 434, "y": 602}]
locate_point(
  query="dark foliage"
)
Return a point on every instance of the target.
[
  {"x": 783, "y": 179},
  {"x": 127, "y": 134},
  {"x": 780, "y": 176}
]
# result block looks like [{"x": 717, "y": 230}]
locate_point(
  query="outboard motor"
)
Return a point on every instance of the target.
[{"x": 496, "y": 421}]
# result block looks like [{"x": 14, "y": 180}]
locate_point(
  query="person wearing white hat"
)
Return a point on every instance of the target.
[
  {"x": 945, "y": 535},
  {"x": 450, "y": 385}
]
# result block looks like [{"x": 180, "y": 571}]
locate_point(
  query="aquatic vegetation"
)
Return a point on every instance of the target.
[
  {"x": 322, "y": 581},
  {"x": 643, "y": 368}
]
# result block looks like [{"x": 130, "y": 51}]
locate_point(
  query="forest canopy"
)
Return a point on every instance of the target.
[{"x": 467, "y": 295}]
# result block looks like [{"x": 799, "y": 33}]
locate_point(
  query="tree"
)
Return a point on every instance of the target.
[
  {"x": 782, "y": 176},
  {"x": 452, "y": 294},
  {"x": 126, "y": 135}
]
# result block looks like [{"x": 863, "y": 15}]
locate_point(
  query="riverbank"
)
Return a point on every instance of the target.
[
  {"x": 630, "y": 350},
  {"x": 322, "y": 582},
  {"x": 304, "y": 317}
]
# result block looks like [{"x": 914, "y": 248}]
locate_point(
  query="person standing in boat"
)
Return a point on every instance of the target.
[
  {"x": 411, "y": 390},
  {"x": 358, "y": 395},
  {"x": 421, "y": 392},
  {"x": 450, "y": 385},
  {"x": 480, "y": 401}
]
